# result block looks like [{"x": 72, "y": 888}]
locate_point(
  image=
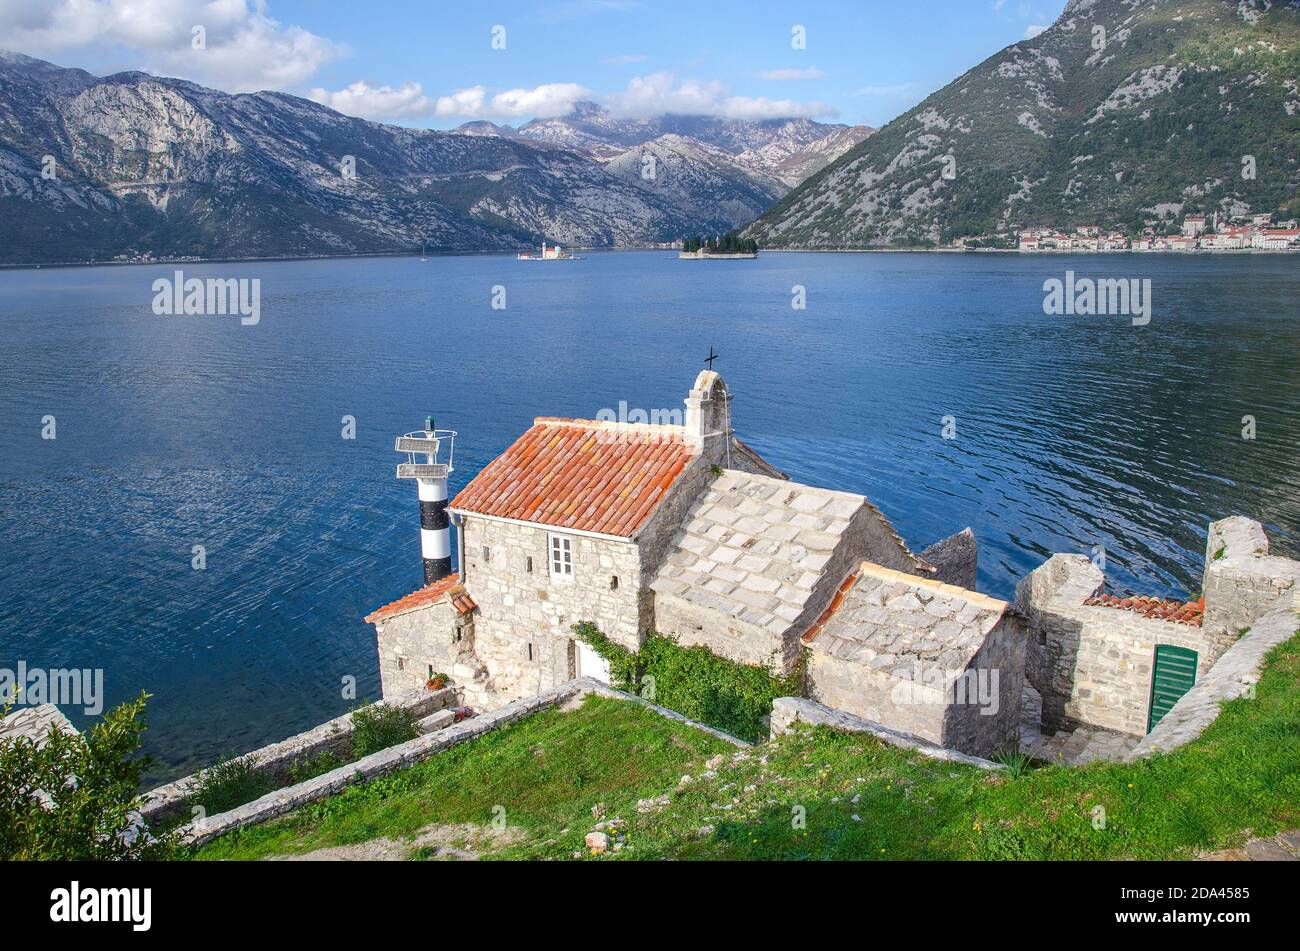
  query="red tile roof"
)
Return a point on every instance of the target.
[
  {"x": 590, "y": 476},
  {"x": 1158, "y": 609},
  {"x": 448, "y": 588},
  {"x": 836, "y": 600}
]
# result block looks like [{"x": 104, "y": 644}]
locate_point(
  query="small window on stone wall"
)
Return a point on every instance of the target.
[
  {"x": 401, "y": 663},
  {"x": 528, "y": 564},
  {"x": 487, "y": 554},
  {"x": 613, "y": 583},
  {"x": 561, "y": 556},
  {"x": 530, "y": 651},
  {"x": 431, "y": 671}
]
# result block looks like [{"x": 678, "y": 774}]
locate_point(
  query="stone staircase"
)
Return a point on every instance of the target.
[
  {"x": 1069, "y": 747},
  {"x": 1082, "y": 746}
]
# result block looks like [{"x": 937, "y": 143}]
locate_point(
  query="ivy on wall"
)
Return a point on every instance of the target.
[{"x": 694, "y": 681}]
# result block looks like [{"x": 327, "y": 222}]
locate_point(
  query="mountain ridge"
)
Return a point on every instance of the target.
[
  {"x": 1054, "y": 131},
  {"x": 133, "y": 166}
]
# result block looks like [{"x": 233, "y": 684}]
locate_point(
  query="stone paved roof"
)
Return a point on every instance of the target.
[
  {"x": 891, "y": 621},
  {"x": 755, "y": 547},
  {"x": 448, "y": 588},
  {"x": 586, "y": 475}
]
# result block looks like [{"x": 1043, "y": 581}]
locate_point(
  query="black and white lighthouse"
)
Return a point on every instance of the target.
[{"x": 429, "y": 462}]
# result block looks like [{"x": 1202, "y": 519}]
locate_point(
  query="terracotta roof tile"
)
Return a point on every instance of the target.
[
  {"x": 584, "y": 475},
  {"x": 836, "y": 600},
  {"x": 1158, "y": 609},
  {"x": 448, "y": 588}
]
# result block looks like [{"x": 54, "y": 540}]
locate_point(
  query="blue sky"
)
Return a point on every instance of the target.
[{"x": 433, "y": 64}]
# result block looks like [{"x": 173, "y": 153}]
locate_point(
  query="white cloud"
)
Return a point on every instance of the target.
[
  {"x": 793, "y": 75},
  {"x": 1033, "y": 30},
  {"x": 543, "y": 102},
  {"x": 245, "y": 49},
  {"x": 659, "y": 93},
  {"x": 645, "y": 96},
  {"x": 407, "y": 101}
]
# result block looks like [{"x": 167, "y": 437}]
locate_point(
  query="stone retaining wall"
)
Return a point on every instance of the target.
[
  {"x": 786, "y": 711},
  {"x": 332, "y": 736},
  {"x": 1233, "y": 676},
  {"x": 281, "y": 801}
]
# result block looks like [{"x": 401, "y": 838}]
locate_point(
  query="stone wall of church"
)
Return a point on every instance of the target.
[
  {"x": 433, "y": 639},
  {"x": 523, "y": 627},
  {"x": 694, "y": 625}
]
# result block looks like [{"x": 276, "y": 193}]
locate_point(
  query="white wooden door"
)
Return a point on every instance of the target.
[{"x": 591, "y": 664}]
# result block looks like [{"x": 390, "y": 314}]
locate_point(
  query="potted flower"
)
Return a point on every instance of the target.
[{"x": 437, "y": 681}]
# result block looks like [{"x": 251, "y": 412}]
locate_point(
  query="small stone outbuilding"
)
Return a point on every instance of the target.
[
  {"x": 1118, "y": 663},
  {"x": 923, "y": 657}
]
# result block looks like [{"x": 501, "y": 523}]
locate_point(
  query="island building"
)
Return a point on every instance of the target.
[{"x": 685, "y": 530}]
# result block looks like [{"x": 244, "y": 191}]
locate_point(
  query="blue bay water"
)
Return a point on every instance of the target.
[{"x": 1072, "y": 432}]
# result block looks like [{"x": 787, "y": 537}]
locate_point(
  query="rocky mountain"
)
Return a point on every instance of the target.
[
  {"x": 1121, "y": 111},
  {"x": 131, "y": 164},
  {"x": 786, "y": 150},
  {"x": 690, "y": 175}
]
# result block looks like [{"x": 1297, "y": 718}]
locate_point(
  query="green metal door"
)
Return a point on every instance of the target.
[{"x": 1172, "y": 675}]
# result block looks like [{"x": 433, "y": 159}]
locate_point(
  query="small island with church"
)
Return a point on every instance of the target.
[{"x": 727, "y": 247}]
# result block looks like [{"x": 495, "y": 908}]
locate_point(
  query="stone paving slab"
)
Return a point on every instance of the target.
[{"x": 1279, "y": 848}]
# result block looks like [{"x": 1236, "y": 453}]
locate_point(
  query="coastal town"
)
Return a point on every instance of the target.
[{"x": 1213, "y": 232}]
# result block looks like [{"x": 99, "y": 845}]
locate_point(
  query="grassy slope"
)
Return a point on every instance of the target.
[
  {"x": 1243, "y": 774},
  {"x": 547, "y": 771}
]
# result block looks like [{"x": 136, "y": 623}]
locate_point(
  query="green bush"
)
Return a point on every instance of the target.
[
  {"x": 87, "y": 784},
  {"x": 309, "y": 767},
  {"x": 695, "y": 682},
  {"x": 379, "y": 726},
  {"x": 230, "y": 783}
]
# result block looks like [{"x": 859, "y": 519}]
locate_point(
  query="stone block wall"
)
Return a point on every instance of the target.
[
  {"x": 1093, "y": 664},
  {"x": 432, "y": 639},
  {"x": 693, "y": 624},
  {"x": 523, "y": 627},
  {"x": 874, "y": 695},
  {"x": 1242, "y": 581},
  {"x": 332, "y": 736},
  {"x": 787, "y": 711},
  {"x": 1232, "y": 676},
  {"x": 923, "y": 709},
  {"x": 956, "y": 559}
]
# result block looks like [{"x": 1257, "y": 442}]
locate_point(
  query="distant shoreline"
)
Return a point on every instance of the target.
[{"x": 504, "y": 251}]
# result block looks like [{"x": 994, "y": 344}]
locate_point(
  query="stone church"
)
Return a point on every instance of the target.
[{"x": 687, "y": 531}]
